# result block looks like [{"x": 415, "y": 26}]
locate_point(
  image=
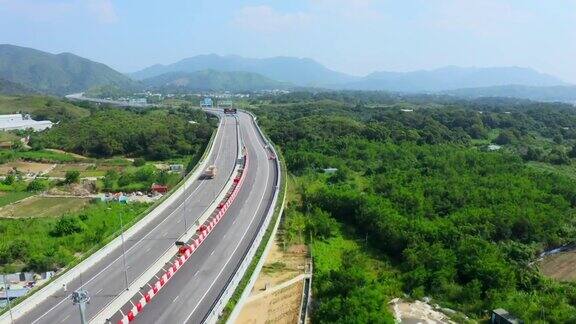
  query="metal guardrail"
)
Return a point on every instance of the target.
[
  {"x": 92, "y": 257},
  {"x": 233, "y": 282}
]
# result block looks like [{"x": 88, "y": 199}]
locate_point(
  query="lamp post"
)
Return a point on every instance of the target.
[
  {"x": 80, "y": 297},
  {"x": 8, "y": 299},
  {"x": 123, "y": 249}
]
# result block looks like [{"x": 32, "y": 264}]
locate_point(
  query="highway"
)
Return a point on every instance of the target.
[
  {"x": 106, "y": 280},
  {"x": 190, "y": 295}
]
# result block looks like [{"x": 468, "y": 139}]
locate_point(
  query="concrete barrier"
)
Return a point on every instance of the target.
[
  {"x": 63, "y": 279},
  {"x": 233, "y": 282}
]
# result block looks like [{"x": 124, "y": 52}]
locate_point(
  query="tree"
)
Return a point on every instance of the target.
[{"x": 72, "y": 176}]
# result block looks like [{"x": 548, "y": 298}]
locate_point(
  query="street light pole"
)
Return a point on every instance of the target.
[
  {"x": 186, "y": 191},
  {"x": 8, "y": 299},
  {"x": 123, "y": 251},
  {"x": 80, "y": 297}
]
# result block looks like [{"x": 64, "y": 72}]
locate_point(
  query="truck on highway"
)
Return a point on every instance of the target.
[{"x": 210, "y": 172}]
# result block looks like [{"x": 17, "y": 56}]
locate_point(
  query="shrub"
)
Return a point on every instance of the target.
[
  {"x": 68, "y": 225},
  {"x": 72, "y": 176}
]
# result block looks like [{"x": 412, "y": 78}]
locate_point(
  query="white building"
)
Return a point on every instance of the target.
[{"x": 19, "y": 121}]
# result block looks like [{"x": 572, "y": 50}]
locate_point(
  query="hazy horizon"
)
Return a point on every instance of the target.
[{"x": 371, "y": 35}]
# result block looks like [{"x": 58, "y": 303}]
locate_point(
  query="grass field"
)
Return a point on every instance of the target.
[
  {"x": 560, "y": 266},
  {"x": 10, "y": 197},
  {"x": 85, "y": 169},
  {"x": 43, "y": 207}
]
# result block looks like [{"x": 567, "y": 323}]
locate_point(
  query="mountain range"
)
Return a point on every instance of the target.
[
  {"x": 298, "y": 71},
  {"x": 452, "y": 77},
  {"x": 57, "y": 74},
  {"x": 213, "y": 80},
  {"x": 26, "y": 70}
]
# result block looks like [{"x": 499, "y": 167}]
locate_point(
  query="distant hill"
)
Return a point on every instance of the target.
[
  {"x": 207, "y": 80},
  {"x": 12, "y": 88},
  {"x": 298, "y": 71},
  {"x": 55, "y": 73},
  {"x": 452, "y": 77},
  {"x": 41, "y": 107},
  {"x": 555, "y": 93}
]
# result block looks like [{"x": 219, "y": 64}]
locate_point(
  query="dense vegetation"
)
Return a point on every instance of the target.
[
  {"x": 41, "y": 244},
  {"x": 42, "y": 107},
  {"x": 436, "y": 213},
  {"x": 155, "y": 135}
]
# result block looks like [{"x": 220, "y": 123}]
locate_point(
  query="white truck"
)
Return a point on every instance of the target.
[{"x": 210, "y": 172}]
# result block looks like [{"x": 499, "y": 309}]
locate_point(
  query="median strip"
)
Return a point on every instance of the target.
[{"x": 187, "y": 251}]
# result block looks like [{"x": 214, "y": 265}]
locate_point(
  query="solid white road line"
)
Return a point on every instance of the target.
[
  {"x": 236, "y": 247},
  {"x": 139, "y": 241}
]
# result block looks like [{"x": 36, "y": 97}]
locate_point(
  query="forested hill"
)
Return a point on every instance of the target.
[
  {"x": 58, "y": 74},
  {"x": 212, "y": 80},
  {"x": 421, "y": 204}
]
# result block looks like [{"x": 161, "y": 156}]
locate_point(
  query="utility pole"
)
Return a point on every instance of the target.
[
  {"x": 80, "y": 297},
  {"x": 8, "y": 299},
  {"x": 187, "y": 190}
]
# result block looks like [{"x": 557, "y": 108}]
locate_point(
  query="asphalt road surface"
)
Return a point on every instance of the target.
[
  {"x": 192, "y": 292},
  {"x": 106, "y": 280}
]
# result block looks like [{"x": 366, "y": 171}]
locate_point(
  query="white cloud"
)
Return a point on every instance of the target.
[
  {"x": 267, "y": 20},
  {"x": 481, "y": 17},
  {"x": 42, "y": 11},
  {"x": 103, "y": 10}
]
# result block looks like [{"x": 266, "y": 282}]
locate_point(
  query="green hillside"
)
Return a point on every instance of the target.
[
  {"x": 207, "y": 80},
  {"x": 11, "y": 88},
  {"x": 41, "y": 107},
  {"x": 58, "y": 74}
]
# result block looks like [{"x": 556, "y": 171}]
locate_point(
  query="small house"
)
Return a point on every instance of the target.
[
  {"x": 502, "y": 316},
  {"x": 158, "y": 188}
]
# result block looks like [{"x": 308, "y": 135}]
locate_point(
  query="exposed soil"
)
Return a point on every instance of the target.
[
  {"x": 283, "y": 305},
  {"x": 560, "y": 266},
  {"x": 26, "y": 167}
]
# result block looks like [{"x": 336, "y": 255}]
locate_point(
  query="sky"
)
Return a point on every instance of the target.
[{"x": 351, "y": 36}]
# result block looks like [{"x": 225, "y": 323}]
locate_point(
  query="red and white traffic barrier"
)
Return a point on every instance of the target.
[{"x": 203, "y": 232}]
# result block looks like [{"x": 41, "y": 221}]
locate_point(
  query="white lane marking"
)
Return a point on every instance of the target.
[
  {"x": 175, "y": 298},
  {"x": 178, "y": 222},
  {"x": 65, "y": 318},
  {"x": 98, "y": 291},
  {"x": 148, "y": 249},
  {"x": 137, "y": 242},
  {"x": 234, "y": 222},
  {"x": 212, "y": 252},
  {"x": 165, "y": 233},
  {"x": 196, "y": 273},
  {"x": 236, "y": 248}
]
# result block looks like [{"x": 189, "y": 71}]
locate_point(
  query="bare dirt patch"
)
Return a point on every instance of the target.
[
  {"x": 417, "y": 312},
  {"x": 560, "y": 266},
  {"x": 78, "y": 156},
  {"x": 26, "y": 167},
  {"x": 282, "y": 305}
]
